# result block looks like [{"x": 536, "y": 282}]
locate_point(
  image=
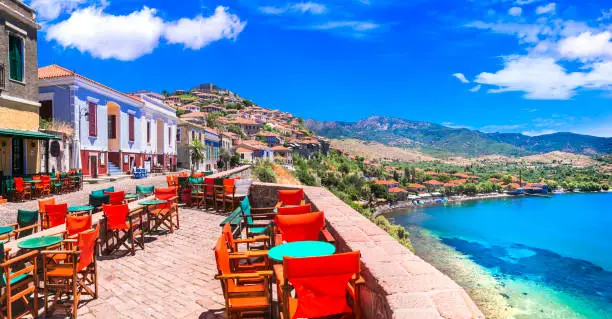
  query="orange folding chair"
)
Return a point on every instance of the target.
[
  {"x": 20, "y": 280},
  {"x": 42, "y": 203},
  {"x": 56, "y": 214},
  {"x": 209, "y": 193},
  {"x": 164, "y": 214},
  {"x": 77, "y": 275},
  {"x": 121, "y": 227},
  {"x": 256, "y": 259},
  {"x": 254, "y": 297},
  {"x": 197, "y": 175},
  {"x": 294, "y": 210},
  {"x": 172, "y": 180},
  {"x": 77, "y": 224},
  {"x": 116, "y": 198},
  {"x": 323, "y": 286},
  {"x": 290, "y": 197},
  {"x": 229, "y": 195}
]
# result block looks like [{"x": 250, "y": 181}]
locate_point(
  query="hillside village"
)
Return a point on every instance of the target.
[{"x": 252, "y": 132}]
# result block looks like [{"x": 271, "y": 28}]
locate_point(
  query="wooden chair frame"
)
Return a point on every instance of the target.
[
  {"x": 164, "y": 216},
  {"x": 116, "y": 238},
  {"x": 22, "y": 289},
  {"x": 78, "y": 283}
]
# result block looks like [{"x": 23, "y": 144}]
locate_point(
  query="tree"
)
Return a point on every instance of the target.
[
  {"x": 247, "y": 102},
  {"x": 226, "y": 157},
  {"x": 196, "y": 154},
  {"x": 165, "y": 93},
  {"x": 367, "y": 195}
]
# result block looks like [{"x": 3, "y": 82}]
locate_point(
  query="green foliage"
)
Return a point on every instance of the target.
[
  {"x": 43, "y": 124},
  {"x": 396, "y": 231},
  {"x": 234, "y": 106},
  {"x": 265, "y": 173},
  {"x": 196, "y": 153},
  {"x": 247, "y": 103}
]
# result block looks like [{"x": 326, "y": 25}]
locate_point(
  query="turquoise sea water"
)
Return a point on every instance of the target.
[{"x": 549, "y": 257}]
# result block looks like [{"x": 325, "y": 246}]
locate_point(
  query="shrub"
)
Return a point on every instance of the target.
[{"x": 265, "y": 173}]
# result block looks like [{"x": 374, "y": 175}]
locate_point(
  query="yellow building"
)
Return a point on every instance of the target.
[{"x": 19, "y": 106}]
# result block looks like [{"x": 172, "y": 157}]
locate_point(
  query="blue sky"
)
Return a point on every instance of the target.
[{"x": 529, "y": 66}]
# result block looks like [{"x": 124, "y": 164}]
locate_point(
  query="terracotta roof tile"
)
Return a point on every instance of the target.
[{"x": 55, "y": 71}]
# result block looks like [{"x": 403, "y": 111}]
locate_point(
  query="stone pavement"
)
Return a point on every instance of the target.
[{"x": 172, "y": 278}]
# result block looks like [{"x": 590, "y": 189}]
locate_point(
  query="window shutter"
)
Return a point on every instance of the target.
[
  {"x": 148, "y": 132},
  {"x": 131, "y": 125},
  {"x": 169, "y": 136},
  {"x": 92, "y": 119}
]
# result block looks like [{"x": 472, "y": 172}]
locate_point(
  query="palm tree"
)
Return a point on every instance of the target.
[{"x": 196, "y": 154}]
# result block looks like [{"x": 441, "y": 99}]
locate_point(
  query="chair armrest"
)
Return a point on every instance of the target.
[
  {"x": 328, "y": 236},
  {"x": 257, "y": 274},
  {"x": 55, "y": 252},
  {"x": 19, "y": 258},
  {"x": 71, "y": 240},
  {"x": 252, "y": 240},
  {"x": 19, "y": 230}
]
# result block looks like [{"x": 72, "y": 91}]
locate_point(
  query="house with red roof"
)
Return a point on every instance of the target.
[
  {"x": 106, "y": 122},
  {"x": 433, "y": 184},
  {"x": 389, "y": 184},
  {"x": 415, "y": 187}
]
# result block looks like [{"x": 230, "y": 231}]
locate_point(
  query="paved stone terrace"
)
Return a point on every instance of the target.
[{"x": 172, "y": 278}]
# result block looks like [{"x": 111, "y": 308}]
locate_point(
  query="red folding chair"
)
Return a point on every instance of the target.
[
  {"x": 116, "y": 198},
  {"x": 323, "y": 286},
  {"x": 56, "y": 214},
  {"x": 294, "y": 210},
  {"x": 121, "y": 227},
  {"x": 291, "y": 197},
  {"x": 299, "y": 227}
]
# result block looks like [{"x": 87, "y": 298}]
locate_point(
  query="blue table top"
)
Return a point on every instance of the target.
[
  {"x": 5, "y": 229},
  {"x": 301, "y": 249},
  {"x": 76, "y": 209},
  {"x": 152, "y": 202}
]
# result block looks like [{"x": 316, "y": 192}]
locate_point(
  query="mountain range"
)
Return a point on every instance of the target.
[{"x": 439, "y": 140}]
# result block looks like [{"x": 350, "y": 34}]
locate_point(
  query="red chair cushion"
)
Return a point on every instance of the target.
[
  {"x": 295, "y": 210},
  {"x": 291, "y": 197},
  {"x": 300, "y": 227},
  {"x": 56, "y": 214},
  {"x": 77, "y": 224},
  {"x": 87, "y": 246},
  {"x": 116, "y": 216},
  {"x": 321, "y": 283}
]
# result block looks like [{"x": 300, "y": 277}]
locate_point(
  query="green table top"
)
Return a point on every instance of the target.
[
  {"x": 76, "y": 209},
  {"x": 5, "y": 229},
  {"x": 32, "y": 181},
  {"x": 152, "y": 202},
  {"x": 40, "y": 242},
  {"x": 300, "y": 249},
  {"x": 131, "y": 195}
]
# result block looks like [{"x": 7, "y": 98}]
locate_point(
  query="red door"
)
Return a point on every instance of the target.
[{"x": 93, "y": 166}]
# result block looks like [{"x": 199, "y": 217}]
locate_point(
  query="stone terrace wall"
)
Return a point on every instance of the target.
[{"x": 399, "y": 284}]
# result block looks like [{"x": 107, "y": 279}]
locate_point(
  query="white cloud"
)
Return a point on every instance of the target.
[
  {"x": 476, "y": 88},
  {"x": 542, "y": 78},
  {"x": 549, "y": 8},
  {"x": 461, "y": 77},
  {"x": 358, "y": 26},
  {"x": 51, "y": 9},
  {"x": 504, "y": 128},
  {"x": 122, "y": 37},
  {"x": 128, "y": 37},
  {"x": 299, "y": 7},
  {"x": 515, "y": 11},
  {"x": 537, "y": 133},
  {"x": 605, "y": 15},
  {"x": 524, "y": 2},
  {"x": 587, "y": 46},
  {"x": 200, "y": 31},
  {"x": 539, "y": 78}
]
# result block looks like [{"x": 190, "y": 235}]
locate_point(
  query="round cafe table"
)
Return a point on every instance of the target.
[
  {"x": 5, "y": 230},
  {"x": 300, "y": 249},
  {"x": 40, "y": 242},
  {"x": 130, "y": 196},
  {"x": 80, "y": 209}
]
